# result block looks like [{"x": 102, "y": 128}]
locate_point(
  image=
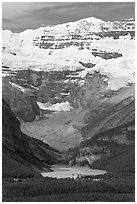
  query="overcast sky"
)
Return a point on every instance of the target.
[{"x": 18, "y": 16}]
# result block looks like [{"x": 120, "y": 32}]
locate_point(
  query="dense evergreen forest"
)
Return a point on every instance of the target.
[{"x": 112, "y": 188}]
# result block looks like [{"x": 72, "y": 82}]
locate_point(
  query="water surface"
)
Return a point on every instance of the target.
[{"x": 64, "y": 171}]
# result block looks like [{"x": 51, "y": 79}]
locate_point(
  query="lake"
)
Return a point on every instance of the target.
[{"x": 64, "y": 171}]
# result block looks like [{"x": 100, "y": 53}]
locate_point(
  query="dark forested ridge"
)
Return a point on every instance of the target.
[
  {"x": 112, "y": 149},
  {"x": 22, "y": 154}
]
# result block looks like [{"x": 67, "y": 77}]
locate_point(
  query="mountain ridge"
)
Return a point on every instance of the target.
[{"x": 88, "y": 19}]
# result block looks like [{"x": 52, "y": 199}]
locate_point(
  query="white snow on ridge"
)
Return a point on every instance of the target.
[
  {"x": 90, "y": 24},
  {"x": 6, "y": 34},
  {"x": 17, "y": 87},
  {"x": 120, "y": 71},
  {"x": 63, "y": 106},
  {"x": 20, "y": 53},
  {"x": 29, "y": 55}
]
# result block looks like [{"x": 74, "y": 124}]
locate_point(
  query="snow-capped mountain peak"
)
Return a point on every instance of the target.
[{"x": 72, "y": 45}]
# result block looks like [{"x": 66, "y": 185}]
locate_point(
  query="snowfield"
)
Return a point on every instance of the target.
[
  {"x": 120, "y": 71},
  {"x": 63, "y": 106}
]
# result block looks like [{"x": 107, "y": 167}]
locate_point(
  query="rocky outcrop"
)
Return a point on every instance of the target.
[
  {"x": 22, "y": 104},
  {"x": 87, "y": 65},
  {"x": 25, "y": 88},
  {"x": 93, "y": 89},
  {"x": 106, "y": 55}
]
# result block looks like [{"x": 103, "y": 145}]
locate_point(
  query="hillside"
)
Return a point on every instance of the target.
[
  {"x": 22, "y": 152},
  {"x": 112, "y": 150}
]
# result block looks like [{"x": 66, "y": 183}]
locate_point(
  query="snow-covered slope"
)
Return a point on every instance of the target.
[{"x": 63, "y": 46}]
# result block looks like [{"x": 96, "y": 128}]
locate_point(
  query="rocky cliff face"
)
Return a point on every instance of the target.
[
  {"x": 90, "y": 93},
  {"x": 27, "y": 87},
  {"x": 22, "y": 104}
]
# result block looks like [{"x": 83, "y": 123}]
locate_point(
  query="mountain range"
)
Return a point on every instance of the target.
[{"x": 69, "y": 97}]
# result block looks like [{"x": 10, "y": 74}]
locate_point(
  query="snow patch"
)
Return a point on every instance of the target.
[
  {"x": 81, "y": 82},
  {"x": 17, "y": 87},
  {"x": 63, "y": 106}
]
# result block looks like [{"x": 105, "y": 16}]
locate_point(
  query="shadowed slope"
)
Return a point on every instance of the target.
[{"x": 20, "y": 151}]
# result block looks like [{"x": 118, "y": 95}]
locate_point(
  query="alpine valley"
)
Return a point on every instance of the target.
[{"x": 69, "y": 100}]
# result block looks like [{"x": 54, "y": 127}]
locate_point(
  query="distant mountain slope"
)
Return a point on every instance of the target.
[
  {"x": 109, "y": 134},
  {"x": 22, "y": 152},
  {"x": 115, "y": 111}
]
